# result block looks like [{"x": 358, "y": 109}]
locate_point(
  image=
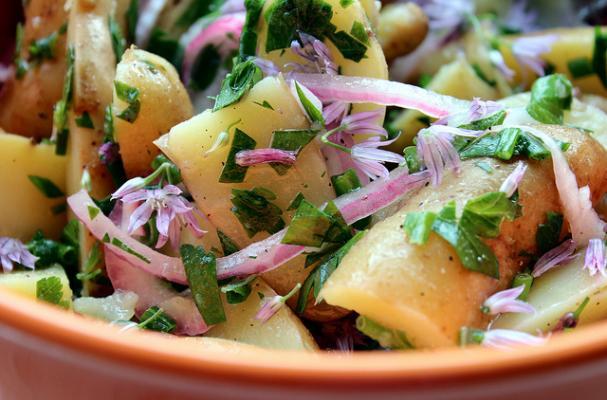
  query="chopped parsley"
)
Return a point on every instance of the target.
[
  {"x": 130, "y": 95},
  {"x": 201, "y": 271},
  {"x": 550, "y": 96},
  {"x": 50, "y": 252},
  {"x": 286, "y": 18},
  {"x": 265, "y": 104},
  {"x": 232, "y": 172},
  {"x": 486, "y": 123},
  {"x": 61, "y": 107},
  {"x": 132, "y": 16},
  {"x": 313, "y": 227},
  {"x": 580, "y": 67},
  {"x": 548, "y": 234},
  {"x": 50, "y": 289},
  {"x": 346, "y": 183},
  {"x": 414, "y": 163},
  {"x": 238, "y": 290},
  {"x": 85, "y": 121},
  {"x": 237, "y": 83},
  {"x": 248, "y": 37},
  {"x": 387, "y": 338},
  {"x": 43, "y": 48},
  {"x": 118, "y": 41},
  {"x": 227, "y": 244},
  {"x": 46, "y": 187},
  {"x": 155, "y": 319},
  {"x": 90, "y": 270},
  {"x": 294, "y": 204},
  {"x": 291, "y": 140},
  {"x": 328, "y": 263},
  {"x": 360, "y": 32},
  {"x": 256, "y": 212},
  {"x": 313, "y": 113}
]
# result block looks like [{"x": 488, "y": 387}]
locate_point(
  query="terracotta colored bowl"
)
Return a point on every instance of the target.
[{"x": 47, "y": 353}]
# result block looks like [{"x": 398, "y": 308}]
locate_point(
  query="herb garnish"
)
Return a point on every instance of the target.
[
  {"x": 118, "y": 41},
  {"x": 256, "y": 212},
  {"x": 248, "y": 37},
  {"x": 50, "y": 289},
  {"x": 90, "y": 270},
  {"x": 523, "y": 279},
  {"x": 290, "y": 140},
  {"x": 130, "y": 95},
  {"x": 155, "y": 319},
  {"x": 232, "y": 172},
  {"x": 550, "y": 96},
  {"x": 387, "y": 338},
  {"x": 346, "y": 183},
  {"x": 61, "y": 107},
  {"x": 486, "y": 123},
  {"x": 548, "y": 234},
  {"x": 46, "y": 187},
  {"x": 313, "y": 227},
  {"x": 132, "y": 15},
  {"x": 227, "y": 244},
  {"x": 288, "y": 17},
  {"x": 201, "y": 271},
  {"x": 238, "y": 290},
  {"x": 85, "y": 121},
  {"x": 237, "y": 83}
]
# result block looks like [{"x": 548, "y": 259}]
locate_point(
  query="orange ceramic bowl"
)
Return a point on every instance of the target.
[{"x": 47, "y": 353}]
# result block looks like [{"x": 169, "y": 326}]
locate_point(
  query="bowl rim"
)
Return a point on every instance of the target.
[{"x": 165, "y": 354}]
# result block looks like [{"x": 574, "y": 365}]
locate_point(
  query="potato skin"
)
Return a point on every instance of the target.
[
  {"x": 424, "y": 290},
  {"x": 164, "y": 104},
  {"x": 26, "y": 104},
  {"x": 401, "y": 28}
]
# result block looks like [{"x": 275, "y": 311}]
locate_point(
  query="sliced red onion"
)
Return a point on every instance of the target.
[
  {"x": 223, "y": 33},
  {"x": 563, "y": 253},
  {"x": 152, "y": 291},
  {"x": 354, "y": 89},
  {"x": 247, "y": 158},
  {"x": 169, "y": 268},
  {"x": 149, "y": 11},
  {"x": 584, "y": 222}
]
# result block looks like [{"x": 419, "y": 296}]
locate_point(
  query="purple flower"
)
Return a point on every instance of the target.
[
  {"x": 108, "y": 153},
  {"x": 479, "y": 109},
  {"x": 498, "y": 62},
  {"x": 316, "y": 53},
  {"x": 267, "y": 67},
  {"x": 505, "y": 339},
  {"x": 435, "y": 148},
  {"x": 528, "y": 51},
  {"x": 333, "y": 113},
  {"x": 363, "y": 123},
  {"x": 14, "y": 251},
  {"x": 369, "y": 159},
  {"x": 511, "y": 183},
  {"x": 271, "y": 305},
  {"x": 172, "y": 210},
  {"x": 519, "y": 18},
  {"x": 506, "y": 301},
  {"x": 560, "y": 254},
  {"x": 447, "y": 14},
  {"x": 128, "y": 187},
  {"x": 595, "y": 260},
  {"x": 246, "y": 158}
]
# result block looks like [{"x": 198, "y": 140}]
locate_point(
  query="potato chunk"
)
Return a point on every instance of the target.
[
  {"x": 402, "y": 27},
  {"x": 424, "y": 290}
]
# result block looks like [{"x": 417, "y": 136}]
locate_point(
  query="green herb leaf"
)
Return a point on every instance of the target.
[
  {"x": 487, "y": 122},
  {"x": 599, "y": 55},
  {"x": 256, "y": 212},
  {"x": 580, "y": 67},
  {"x": 482, "y": 76},
  {"x": 51, "y": 252},
  {"x": 125, "y": 247},
  {"x": 346, "y": 183},
  {"x": 155, "y": 319},
  {"x": 62, "y": 106},
  {"x": 265, "y": 104},
  {"x": 360, "y": 33},
  {"x": 232, "y": 172},
  {"x": 248, "y": 37},
  {"x": 238, "y": 290},
  {"x": 118, "y": 41},
  {"x": 85, "y": 121},
  {"x": 90, "y": 270},
  {"x": 387, "y": 338},
  {"x": 414, "y": 164},
  {"x": 550, "y": 96},
  {"x": 313, "y": 113},
  {"x": 321, "y": 273},
  {"x": 46, "y": 187},
  {"x": 348, "y": 46},
  {"x": 237, "y": 83},
  {"x": 418, "y": 226},
  {"x": 201, "y": 271},
  {"x": 132, "y": 16},
  {"x": 227, "y": 244},
  {"x": 291, "y": 140},
  {"x": 523, "y": 279},
  {"x": 130, "y": 95},
  {"x": 50, "y": 289},
  {"x": 483, "y": 215},
  {"x": 309, "y": 226},
  {"x": 162, "y": 44},
  {"x": 548, "y": 234},
  {"x": 294, "y": 204}
]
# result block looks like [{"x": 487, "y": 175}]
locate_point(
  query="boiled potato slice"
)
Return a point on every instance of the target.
[
  {"x": 402, "y": 27},
  {"x": 344, "y": 16},
  {"x": 187, "y": 145},
  {"x": 24, "y": 282},
  {"x": 557, "y": 292},
  {"x": 25, "y": 209},
  {"x": 456, "y": 79},
  {"x": 284, "y": 331},
  {"x": 164, "y": 103},
  {"x": 424, "y": 290},
  {"x": 26, "y": 104},
  {"x": 572, "y": 43}
]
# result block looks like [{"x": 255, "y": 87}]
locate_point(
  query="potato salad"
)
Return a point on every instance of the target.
[{"x": 309, "y": 175}]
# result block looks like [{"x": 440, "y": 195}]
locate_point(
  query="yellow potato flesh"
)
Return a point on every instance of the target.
[
  {"x": 373, "y": 65},
  {"x": 164, "y": 104},
  {"x": 187, "y": 143},
  {"x": 456, "y": 79},
  {"x": 572, "y": 43},
  {"x": 24, "y": 282},
  {"x": 557, "y": 292},
  {"x": 424, "y": 290},
  {"x": 25, "y": 209},
  {"x": 284, "y": 331}
]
